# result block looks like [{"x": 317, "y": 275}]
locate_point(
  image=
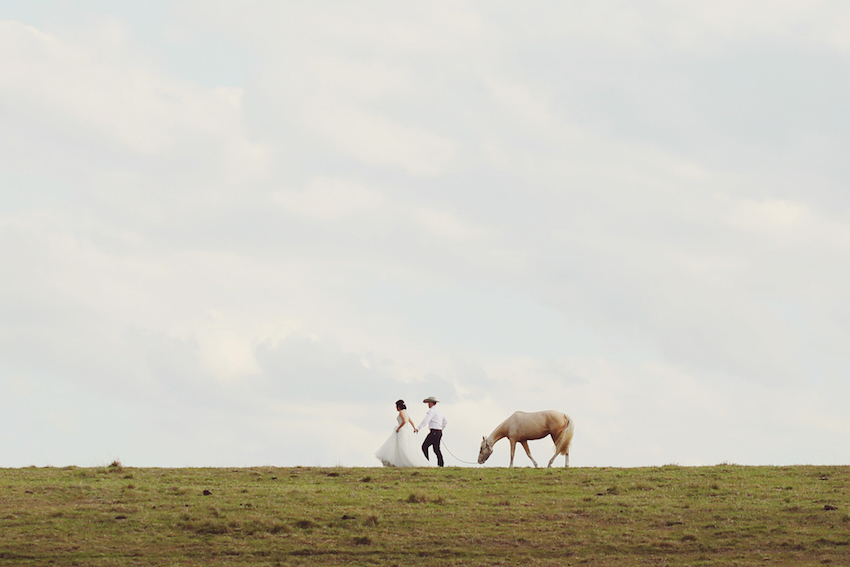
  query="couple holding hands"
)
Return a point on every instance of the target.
[{"x": 402, "y": 450}]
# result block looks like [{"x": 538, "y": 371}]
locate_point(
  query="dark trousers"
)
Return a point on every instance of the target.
[{"x": 433, "y": 440}]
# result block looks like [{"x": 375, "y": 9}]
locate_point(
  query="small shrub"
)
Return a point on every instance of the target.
[
  {"x": 418, "y": 497},
  {"x": 305, "y": 524},
  {"x": 363, "y": 540},
  {"x": 262, "y": 526},
  {"x": 278, "y": 527},
  {"x": 206, "y": 526},
  {"x": 794, "y": 545}
]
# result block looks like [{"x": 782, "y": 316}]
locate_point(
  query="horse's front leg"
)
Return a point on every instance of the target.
[
  {"x": 513, "y": 450},
  {"x": 528, "y": 452}
]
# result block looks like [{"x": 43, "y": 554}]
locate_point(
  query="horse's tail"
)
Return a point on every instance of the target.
[{"x": 562, "y": 446}]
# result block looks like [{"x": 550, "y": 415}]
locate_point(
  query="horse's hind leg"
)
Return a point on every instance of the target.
[
  {"x": 552, "y": 460},
  {"x": 528, "y": 452}
]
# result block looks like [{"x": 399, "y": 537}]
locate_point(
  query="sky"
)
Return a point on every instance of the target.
[{"x": 235, "y": 233}]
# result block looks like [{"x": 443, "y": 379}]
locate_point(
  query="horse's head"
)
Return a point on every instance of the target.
[{"x": 485, "y": 452}]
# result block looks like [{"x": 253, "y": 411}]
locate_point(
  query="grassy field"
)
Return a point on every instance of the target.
[{"x": 723, "y": 515}]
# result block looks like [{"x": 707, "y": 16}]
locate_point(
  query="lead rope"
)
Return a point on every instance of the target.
[{"x": 453, "y": 455}]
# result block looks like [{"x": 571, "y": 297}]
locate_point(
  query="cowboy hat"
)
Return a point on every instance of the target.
[{"x": 430, "y": 399}]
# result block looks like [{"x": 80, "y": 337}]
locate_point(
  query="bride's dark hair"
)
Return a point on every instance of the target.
[{"x": 400, "y": 405}]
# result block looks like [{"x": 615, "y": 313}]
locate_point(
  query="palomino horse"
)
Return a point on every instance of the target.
[{"x": 523, "y": 427}]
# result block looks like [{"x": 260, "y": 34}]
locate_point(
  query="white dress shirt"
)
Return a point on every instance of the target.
[{"x": 434, "y": 419}]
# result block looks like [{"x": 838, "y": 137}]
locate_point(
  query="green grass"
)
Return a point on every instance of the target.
[{"x": 724, "y": 515}]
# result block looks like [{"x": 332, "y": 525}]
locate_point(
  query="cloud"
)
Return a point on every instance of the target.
[
  {"x": 329, "y": 199},
  {"x": 631, "y": 215},
  {"x": 375, "y": 140},
  {"x": 299, "y": 368},
  {"x": 72, "y": 110}
]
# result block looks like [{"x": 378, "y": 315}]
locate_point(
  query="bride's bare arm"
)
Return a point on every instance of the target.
[{"x": 406, "y": 417}]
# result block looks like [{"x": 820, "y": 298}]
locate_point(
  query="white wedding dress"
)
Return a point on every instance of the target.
[{"x": 402, "y": 449}]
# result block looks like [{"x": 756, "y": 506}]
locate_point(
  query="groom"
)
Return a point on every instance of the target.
[{"x": 436, "y": 422}]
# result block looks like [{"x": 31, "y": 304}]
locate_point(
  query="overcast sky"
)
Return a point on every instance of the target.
[{"x": 233, "y": 233}]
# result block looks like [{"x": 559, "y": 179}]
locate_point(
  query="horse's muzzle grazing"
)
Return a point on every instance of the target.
[{"x": 485, "y": 451}]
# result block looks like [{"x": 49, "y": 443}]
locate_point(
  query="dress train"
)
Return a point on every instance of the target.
[{"x": 402, "y": 449}]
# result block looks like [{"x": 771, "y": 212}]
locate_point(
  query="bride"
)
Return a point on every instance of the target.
[{"x": 402, "y": 449}]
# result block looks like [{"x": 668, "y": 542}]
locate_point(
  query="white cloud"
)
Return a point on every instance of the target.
[
  {"x": 770, "y": 216},
  {"x": 443, "y": 224},
  {"x": 329, "y": 199},
  {"x": 377, "y": 140},
  {"x": 58, "y": 93},
  {"x": 696, "y": 26}
]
